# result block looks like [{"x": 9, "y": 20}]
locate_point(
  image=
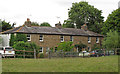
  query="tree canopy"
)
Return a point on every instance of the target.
[
  {"x": 16, "y": 38},
  {"x": 113, "y": 22},
  {"x": 68, "y": 24},
  {"x": 81, "y": 13},
  {"x": 35, "y": 24},
  {"x": 112, "y": 40},
  {"x": 5, "y": 26},
  {"x": 45, "y": 24}
]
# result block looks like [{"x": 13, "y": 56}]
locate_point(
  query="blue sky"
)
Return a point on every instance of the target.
[{"x": 47, "y": 10}]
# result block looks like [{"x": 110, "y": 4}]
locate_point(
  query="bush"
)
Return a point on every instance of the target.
[
  {"x": 65, "y": 46},
  {"x": 21, "y": 45},
  {"x": 16, "y": 38},
  {"x": 40, "y": 55}
]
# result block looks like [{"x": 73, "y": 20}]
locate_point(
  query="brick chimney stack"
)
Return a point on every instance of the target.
[
  {"x": 28, "y": 22},
  {"x": 58, "y": 25},
  {"x": 84, "y": 27}
]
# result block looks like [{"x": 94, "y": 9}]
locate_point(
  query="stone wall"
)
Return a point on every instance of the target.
[{"x": 52, "y": 41}]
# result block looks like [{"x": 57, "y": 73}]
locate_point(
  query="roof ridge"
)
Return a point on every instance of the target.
[
  {"x": 8, "y": 30},
  {"x": 20, "y": 28}
]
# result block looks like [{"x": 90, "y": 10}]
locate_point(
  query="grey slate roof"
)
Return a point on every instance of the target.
[{"x": 51, "y": 30}]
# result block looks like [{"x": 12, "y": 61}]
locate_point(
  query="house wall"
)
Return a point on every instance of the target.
[{"x": 52, "y": 41}]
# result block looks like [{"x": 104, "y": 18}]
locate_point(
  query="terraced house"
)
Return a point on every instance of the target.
[{"x": 49, "y": 37}]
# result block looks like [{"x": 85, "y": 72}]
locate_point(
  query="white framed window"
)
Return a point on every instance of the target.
[
  {"x": 97, "y": 39},
  {"x": 41, "y": 49},
  {"x": 71, "y": 38},
  {"x": 28, "y": 37},
  {"x": 89, "y": 39},
  {"x": 41, "y": 37},
  {"x": 62, "y": 38}
]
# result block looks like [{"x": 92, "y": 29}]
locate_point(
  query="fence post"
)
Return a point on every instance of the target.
[
  {"x": 34, "y": 54},
  {"x": 24, "y": 53},
  {"x": 49, "y": 56}
]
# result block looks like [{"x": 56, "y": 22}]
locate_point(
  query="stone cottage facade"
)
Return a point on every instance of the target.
[{"x": 50, "y": 37}]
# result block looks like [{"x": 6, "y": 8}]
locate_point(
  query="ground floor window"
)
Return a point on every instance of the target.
[
  {"x": 55, "y": 49},
  {"x": 41, "y": 49}
]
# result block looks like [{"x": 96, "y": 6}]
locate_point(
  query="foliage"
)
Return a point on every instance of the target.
[
  {"x": 16, "y": 38},
  {"x": 12, "y": 39},
  {"x": 65, "y": 46},
  {"x": 112, "y": 23},
  {"x": 81, "y": 13},
  {"x": 20, "y": 37},
  {"x": 68, "y": 24},
  {"x": 21, "y": 45},
  {"x": 45, "y": 24},
  {"x": 35, "y": 24},
  {"x": 95, "y": 47},
  {"x": 80, "y": 46},
  {"x": 112, "y": 40},
  {"x": 40, "y": 55},
  {"x": 5, "y": 26}
]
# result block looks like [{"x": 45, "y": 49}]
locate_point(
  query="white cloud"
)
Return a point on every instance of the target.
[{"x": 46, "y": 10}]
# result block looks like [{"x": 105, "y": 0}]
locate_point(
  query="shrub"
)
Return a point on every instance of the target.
[
  {"x": 65, "y": 46},
  {"x": 40, "y": 55}
]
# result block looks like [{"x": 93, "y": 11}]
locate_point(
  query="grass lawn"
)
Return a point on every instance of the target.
[{"x": 93, "y": 64}]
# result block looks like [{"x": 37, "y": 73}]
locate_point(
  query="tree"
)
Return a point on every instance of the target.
[
  {"x": 80, "y": 46},
  {"x": 113, "y": 22},
  {"x": 45, "y": 24},
  {"x": 95, "y": 47},
  {"x": 16, "y": 38},
  {"x": 112, "y": 40},
  {"x": 68, "y": 24},
  {"x": 5, "y": 26},
  {"x": 81, "y": 13},
  {"x": 65, "y": 46},
  {"x": 35, "y": 24},
  {"x": 12, "y": 39},
  {"x": 20, "y": 37}
]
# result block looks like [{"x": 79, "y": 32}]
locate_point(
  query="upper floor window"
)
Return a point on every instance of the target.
[
  {"x": 41, "y": 38},
  {"x": 41, "y": 49},
  {"x": 28, "y": 37},
  {"x": 62, "y": 38},
  {"x": 89, "y": 39},
  {"x": 71, "y": 38},
  {"x": 97, "y": 39}
]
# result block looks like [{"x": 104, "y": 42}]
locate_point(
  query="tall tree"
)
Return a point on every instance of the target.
[
  {"x": 81, "y": 13},
  {"x": 5, "y": 26},
  {"x": 45, "y": 24},
  {"x": 113, "y": 22},
  {"x": 35, "y": 24},
  {"x": 68, "y": 24},
  {"x": 112, "y": 40}
]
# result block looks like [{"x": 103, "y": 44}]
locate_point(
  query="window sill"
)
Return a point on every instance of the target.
[
  {"x": 89, "y": 42},
  {"x": 97, "y": 42},
  {"x": 41, "y": 40},
  {"x": 29, "y": 40}
]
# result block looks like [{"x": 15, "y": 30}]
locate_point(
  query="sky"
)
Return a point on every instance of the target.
[{"x": 51, "y": 11}]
